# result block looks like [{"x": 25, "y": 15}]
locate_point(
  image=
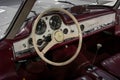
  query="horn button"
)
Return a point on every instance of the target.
[{"x": 59, "y": 36}]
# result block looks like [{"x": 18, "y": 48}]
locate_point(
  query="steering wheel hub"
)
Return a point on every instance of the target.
[{"x": 59, "y": 36}]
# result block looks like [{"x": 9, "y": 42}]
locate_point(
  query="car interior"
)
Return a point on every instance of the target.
[{"x": 75, "y": 43}]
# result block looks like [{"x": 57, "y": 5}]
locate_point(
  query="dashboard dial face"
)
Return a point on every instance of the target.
[
  {"x": 55, "y": 22},
  {"x": 41, "y": 27}
]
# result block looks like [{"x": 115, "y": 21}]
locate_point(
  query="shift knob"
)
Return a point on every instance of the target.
[{"x": 99, "y": 46}]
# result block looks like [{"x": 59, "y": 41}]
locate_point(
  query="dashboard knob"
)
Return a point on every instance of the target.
[
  {"x": 82, "y": 27},
  {"x": 48, "y": 38},
  {"x": 30, "y": 41},
  {"x": 39, "y": 41},
  {"x": 65, "y": 31}
]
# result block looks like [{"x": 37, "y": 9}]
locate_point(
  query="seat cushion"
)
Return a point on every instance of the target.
[
  {"x": 112, "y": 64},
  {"x": 95, "y": 73},
  {"x": 99, "y": 74},
  {"x": 85, "y": 77}
]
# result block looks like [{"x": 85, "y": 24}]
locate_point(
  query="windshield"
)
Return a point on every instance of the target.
[
  {"x": 42, "y": 5},
  {"x": 8, "y": 8}
]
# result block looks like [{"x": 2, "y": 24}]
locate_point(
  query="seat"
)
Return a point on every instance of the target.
[
  {"x": 112, "y": 64},
  {"x": 85, "y": 77},
  {"x": 95, "y": 73}
]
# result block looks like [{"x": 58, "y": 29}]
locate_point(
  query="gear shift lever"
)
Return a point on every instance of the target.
[{"x": 98, "y": 48}]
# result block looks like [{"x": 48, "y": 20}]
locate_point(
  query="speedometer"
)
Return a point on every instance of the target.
[
  {"x": 41, "y": 27},
  {"x": 55, "y": 22}
]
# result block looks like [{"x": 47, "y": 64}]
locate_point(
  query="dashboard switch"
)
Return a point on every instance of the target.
[
  {"x": 24, "y": 45},
  {"x": 82, "y": 27},
  {"x": 48, "y": 38},
  {"x": 65, "y": 31},
  {"x": 30, "y": 41},
  {"x": 39, "y": 41}
]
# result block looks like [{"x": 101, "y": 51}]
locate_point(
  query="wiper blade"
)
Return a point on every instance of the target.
[{"x": 67, "y": 2}]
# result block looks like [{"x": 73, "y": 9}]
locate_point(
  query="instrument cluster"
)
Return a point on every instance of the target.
[
  {"x": 47, "y": 25},
  {"x": 44, "y": 30},
  {"x": 54, "y": 23}
]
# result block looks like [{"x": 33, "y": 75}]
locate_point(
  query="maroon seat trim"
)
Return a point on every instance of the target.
[{"x": 112, "y": 64}]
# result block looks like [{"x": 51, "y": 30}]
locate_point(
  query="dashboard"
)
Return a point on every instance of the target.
[{"x": 49, "y": 23}]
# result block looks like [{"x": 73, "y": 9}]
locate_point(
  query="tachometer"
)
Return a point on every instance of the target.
[
  {"x": 55, "y": 22},
  {"x": 41, "y": 27}
]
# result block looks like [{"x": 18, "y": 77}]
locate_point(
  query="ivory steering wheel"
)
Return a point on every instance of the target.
[{"x": 57, "y": 37}]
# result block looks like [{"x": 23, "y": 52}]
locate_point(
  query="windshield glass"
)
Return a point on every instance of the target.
[
  {"x": 8, "y": 8},
  {"x": 41, "y": 5}
]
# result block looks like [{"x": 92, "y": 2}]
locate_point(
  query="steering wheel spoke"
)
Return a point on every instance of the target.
[{"x": 49, "y": 46}]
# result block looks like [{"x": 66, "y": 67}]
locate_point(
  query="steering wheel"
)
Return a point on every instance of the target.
[{"x": 57, "y": 37}]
